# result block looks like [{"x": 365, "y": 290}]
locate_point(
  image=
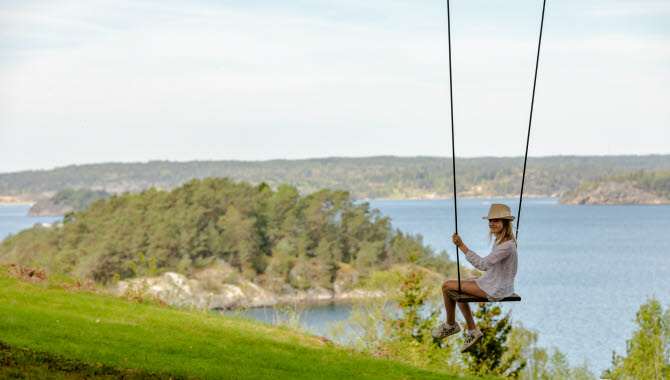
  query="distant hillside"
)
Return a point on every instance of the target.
[
  {"x": 66, "y": 201},
  {"x": 365, "y": 178},
  {"x": 627, "y": 188}
]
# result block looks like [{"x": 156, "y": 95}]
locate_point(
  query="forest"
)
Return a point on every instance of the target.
[
  {"x": 264, "y": 234},
  {"x": 365, "y": 177},
  {"x": 656, "y": 182}
]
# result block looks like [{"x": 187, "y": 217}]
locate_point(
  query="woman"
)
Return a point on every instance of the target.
[{"x": 497, "y": 281}]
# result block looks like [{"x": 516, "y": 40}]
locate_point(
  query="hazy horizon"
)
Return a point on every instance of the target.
[
  {"x": 127, "y": 81},
  {"x": 327, "y": 157}
]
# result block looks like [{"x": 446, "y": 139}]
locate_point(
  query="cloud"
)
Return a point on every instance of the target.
[
  {"x": 184, "y": 82},
  {"x": 630, "y": 8}
]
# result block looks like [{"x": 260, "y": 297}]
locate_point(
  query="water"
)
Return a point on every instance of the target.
[
  {"x": 583, "y": 270},
  {"x": 13, "y": 219}
]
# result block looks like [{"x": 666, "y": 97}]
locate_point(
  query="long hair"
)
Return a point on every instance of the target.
[{"x": 506, "y": 234}]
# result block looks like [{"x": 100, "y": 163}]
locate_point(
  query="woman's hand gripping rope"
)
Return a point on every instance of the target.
[{"x": 459, "y": 243}]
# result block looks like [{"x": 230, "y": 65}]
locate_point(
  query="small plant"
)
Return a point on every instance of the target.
[
  {"x": 398, "y": 326},
  {"x": 145, "y": 268},
  {"x": 139, "y": 293},
  {"x": 289, "y": 316}
]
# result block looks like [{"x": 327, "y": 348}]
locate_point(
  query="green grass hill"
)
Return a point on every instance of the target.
[{"x": 48, "y": 330}]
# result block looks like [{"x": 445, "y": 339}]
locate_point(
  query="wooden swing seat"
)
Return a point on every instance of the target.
[{"x": 464, "y": 297}]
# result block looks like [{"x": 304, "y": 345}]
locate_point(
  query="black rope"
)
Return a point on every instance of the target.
[
  {"x": 453, "y": 145},
  {"x": 530, "y": 120}
]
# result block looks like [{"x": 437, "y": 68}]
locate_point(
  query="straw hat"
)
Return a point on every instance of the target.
[{"x": 499, "y": 211}]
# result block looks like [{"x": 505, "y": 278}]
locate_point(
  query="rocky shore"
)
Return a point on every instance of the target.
[
  {"x": 612, "y": 193},
  {"x": 212, "y": 289},
  {"x": 48, "y": 208}
]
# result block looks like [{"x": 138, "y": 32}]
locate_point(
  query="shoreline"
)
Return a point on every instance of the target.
[{"x": 22, "y": 203}]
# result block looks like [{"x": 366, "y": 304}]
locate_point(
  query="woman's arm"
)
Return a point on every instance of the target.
[
  {"x": 485, "y": 263},
  {"x": 459, "y": 243}
]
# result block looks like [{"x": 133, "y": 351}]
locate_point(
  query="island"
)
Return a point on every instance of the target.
[
  {"x": 220, "y": 244},
  {"x": 629, "y": 188},
  {"x": 67, "y": 200}
]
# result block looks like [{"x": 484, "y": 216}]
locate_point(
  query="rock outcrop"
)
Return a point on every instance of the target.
[
  {"x": 48, "y": 208},
  {"x": 212, "y": 288},
  {"x": 612, "y": 193}
]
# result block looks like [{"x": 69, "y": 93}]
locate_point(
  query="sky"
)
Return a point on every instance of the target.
[{"x": 88, "y": 81}]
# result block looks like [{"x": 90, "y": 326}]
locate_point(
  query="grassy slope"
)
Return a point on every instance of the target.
[{"x": 180, "y": 342}]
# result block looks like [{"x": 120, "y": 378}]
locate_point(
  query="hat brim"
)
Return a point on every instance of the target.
[{"x": 499, "y": 217}]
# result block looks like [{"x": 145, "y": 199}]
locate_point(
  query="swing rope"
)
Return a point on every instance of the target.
[
  {"x": 453, "y": 144},
  {"x": 530, "y": 121}
]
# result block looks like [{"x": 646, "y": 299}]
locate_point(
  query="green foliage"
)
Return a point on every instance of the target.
[
  {"x": 366, "y": 178},
  {"x": 657, "y": 182},
  {"x": 511, "y": 351},
  {"x": 66, "y": 201},
  {"x": 399, "y": 327},
  {"x": 145, "y": 268},
  {"x": 79, "y": 199},
  {"x": 299, "y": 240},
  {"x": 409, "y": 324},
  {"x": 523, "y": 359},
  {"x": 648, "y": 351},
  {"x": 486, "y": 356},
  {"x": 441, "y": 264}
]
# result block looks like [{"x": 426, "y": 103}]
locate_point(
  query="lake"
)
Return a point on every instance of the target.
[{"x": 583, "y": 270}]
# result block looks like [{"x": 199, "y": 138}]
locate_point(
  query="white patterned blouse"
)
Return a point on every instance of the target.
[{"x": 499, "y": 269}]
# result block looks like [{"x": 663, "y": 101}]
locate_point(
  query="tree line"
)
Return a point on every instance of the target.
[
  {"x": 656, "y": 182},
  {"x": 262, "y": 233},
  {"x": 365, "y": 178}
]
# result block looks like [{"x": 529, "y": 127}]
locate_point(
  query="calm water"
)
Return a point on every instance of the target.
[
  {"x": 13, "y": 219},
  {"x": 583, "y": 270}
]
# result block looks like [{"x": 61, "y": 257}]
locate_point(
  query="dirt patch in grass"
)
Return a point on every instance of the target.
[{"x": 35, "y": 275}]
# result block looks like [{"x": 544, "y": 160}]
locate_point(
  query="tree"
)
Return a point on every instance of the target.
[
  {"x": 406, "y": 332},
  {"x": 486, "y": 356},
  {"x": 648, "y": 351}
]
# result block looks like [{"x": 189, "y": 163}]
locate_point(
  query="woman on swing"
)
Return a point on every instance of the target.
[{"x": 496, "y": 283}]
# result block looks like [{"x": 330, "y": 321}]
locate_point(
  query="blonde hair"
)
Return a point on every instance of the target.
[{"x": 506, "y": 234}]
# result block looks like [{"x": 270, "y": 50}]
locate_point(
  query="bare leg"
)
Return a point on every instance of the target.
[
  {"x": 467, "y": 313},
  {"x": 467, "y": 286},
  {"x": 449, "y": 305}
]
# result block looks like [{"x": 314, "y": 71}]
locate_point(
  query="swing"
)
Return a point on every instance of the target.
[{"x": 460, "y": 296}]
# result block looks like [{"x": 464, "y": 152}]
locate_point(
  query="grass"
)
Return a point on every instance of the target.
[
  {"x": 24, "y": 363},
  {"x": 46, "y": 327}
]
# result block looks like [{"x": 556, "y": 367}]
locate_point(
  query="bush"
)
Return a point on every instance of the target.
[
  {"x": 399, "y": 327},
  {"x": 486, "y": 356},
  {"x": 648, "y": 351}
]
